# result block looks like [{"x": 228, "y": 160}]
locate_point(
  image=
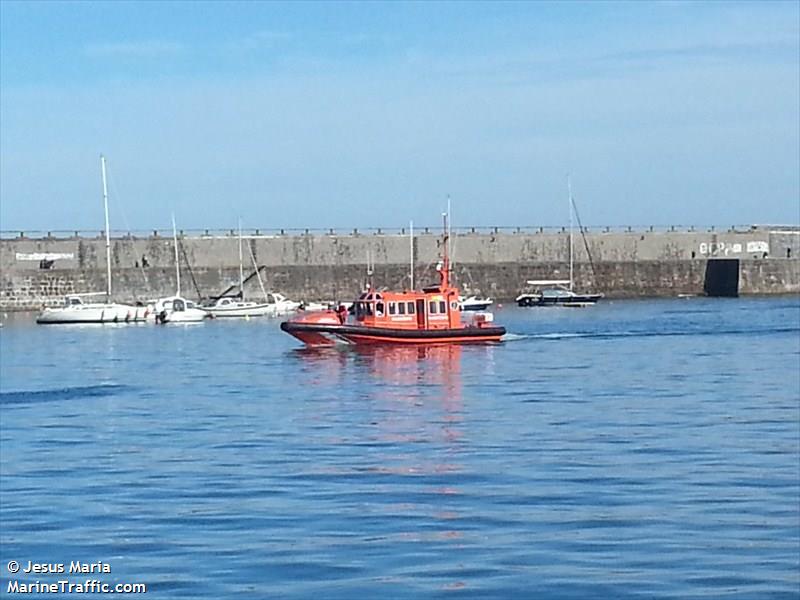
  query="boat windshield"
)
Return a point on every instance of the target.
[{"x": 556, "y": 293}]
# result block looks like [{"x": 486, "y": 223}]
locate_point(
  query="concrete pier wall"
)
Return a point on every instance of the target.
[{"x": 312, "y": 267}]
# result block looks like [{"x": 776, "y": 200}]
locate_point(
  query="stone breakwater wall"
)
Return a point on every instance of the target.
[{"x": 38, "y": 271}]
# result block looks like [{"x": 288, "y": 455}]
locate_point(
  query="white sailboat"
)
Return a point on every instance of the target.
[
  {"x": 558, "y": 292},
  {"x": 274, "y": 304},
  {"x": 76, "y": 311},
  {"x": 176, "y": 309}
]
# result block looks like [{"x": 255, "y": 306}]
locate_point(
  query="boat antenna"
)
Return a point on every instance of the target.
[
  {"x": 370, "y": 268},
  {"x": 177, "y": 259},
  {"x": 108, "y": 234},
  {"x": 449, "y": 225},
  {"x": 445, "y": 270},
  {"x": 411, "y": 250}
]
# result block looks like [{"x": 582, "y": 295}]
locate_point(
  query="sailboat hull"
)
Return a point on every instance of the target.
[
  {"x": 571, "y": 300},
  {"x": 93, "y": 313}
]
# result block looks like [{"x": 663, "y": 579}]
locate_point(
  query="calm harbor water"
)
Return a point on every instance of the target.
[{"x": 634, "y": 449}]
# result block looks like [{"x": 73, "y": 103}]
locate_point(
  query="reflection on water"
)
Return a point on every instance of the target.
[
  {"x": 394, "y": 366},
  {"x": 414, "y": 415}
]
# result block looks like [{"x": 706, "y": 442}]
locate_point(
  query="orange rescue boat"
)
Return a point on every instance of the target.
[{"x": 428, "y": 316}]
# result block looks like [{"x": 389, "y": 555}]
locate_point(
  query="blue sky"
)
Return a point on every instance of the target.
[{"x": 369, "y": 114}]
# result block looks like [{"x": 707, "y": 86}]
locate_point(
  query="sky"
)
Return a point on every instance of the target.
[{"x": 358, "y": 115}]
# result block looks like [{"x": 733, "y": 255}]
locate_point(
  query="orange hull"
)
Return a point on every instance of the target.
[{"x": 319, "y": 334}]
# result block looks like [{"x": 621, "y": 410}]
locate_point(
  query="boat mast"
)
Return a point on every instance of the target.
[
  {"x": 571, "y": 259},
  {"x": 411, "y": 250},
  {"x": 241, "y": 272},
  {"x": 177, "y": 260},
  {"x": 108, "y": 234}
]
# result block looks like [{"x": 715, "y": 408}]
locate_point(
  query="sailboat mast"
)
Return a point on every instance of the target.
[
  {"x": 571, "y": 259},
  {"x": 241, "y": 271},
  {"x": 108, "y": 234},
  {"x": 177, "y": 260},
  {"x": 411, "y": 250}
]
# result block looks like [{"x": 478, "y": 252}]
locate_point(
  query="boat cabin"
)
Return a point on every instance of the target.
[{"x": 432, "y": 308}]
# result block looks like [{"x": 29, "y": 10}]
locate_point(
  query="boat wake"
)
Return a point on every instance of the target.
[
  {"x": 514, "y": 337},
  {"x": 57, "y": 394}
]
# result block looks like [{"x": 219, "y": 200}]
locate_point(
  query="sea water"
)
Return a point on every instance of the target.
[{"x": 635, "y": 449}]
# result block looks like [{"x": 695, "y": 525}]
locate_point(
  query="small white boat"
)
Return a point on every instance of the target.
[
  {"x": 75, "y": 310},
  {"x": 176, "y": 309},
  {"x": 234, "y": 307},
  {"x": 179, "y": 310},
  {"x": 474, "y": 303}
]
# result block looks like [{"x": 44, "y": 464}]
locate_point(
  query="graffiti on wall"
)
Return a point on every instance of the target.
[
  {"x": 45, "y": 255},
  {"x": 725, "y": 249}
]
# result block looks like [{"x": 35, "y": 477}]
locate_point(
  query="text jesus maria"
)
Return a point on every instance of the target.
[{"x": 74, "y": 566}]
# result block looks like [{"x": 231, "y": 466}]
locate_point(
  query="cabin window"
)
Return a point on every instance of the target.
[
  {"x": 363, "y": 309},
  {"x": 379, "y": 309},
  {"x": 432, "y": 307},
  {"x": 392, "y": 308},
  {"x": 401, "y": 308},
  {"x": 442, "y": 306},
  {"x": 410, "y": 308}
]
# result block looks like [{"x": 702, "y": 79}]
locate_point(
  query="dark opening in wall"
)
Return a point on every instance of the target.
[{"x": 722, "y": 277}]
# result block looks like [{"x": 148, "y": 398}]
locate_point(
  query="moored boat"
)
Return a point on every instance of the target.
[
  {"x": 560, "y": 292},
  {"x": 76, "y": 311},
  {"x": 474, "y": 303},
  {"x": 176, "y": 309},
  {"x": 554, "y": 293},
  {"x": 428, "y": 316}
]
